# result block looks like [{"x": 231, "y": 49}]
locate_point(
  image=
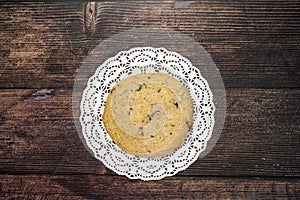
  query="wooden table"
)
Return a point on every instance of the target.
[{"x": 255, "y": 44}]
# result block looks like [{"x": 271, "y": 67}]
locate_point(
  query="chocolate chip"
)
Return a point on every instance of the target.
[
  {"x": 139, "y": 87},
  {"x": 152, "y": 136},
  {"x": 142, "y": 132},
  {"x": 176, "y": 104},
  {"x": 159, "y": 90},
  {"x": 189, "y": 125}
]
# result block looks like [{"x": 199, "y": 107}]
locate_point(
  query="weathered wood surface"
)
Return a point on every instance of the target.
[
  {"x": 112, "y": 187},
  {"x": 260, "y": 136},
  {"x": 255, "y": 44}
]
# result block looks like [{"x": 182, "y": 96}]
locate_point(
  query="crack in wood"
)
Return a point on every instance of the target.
[
  {"x": 183, "y": 4},
  {"x": 90, "y": 17},
  {"x": 40, "y": 95}
]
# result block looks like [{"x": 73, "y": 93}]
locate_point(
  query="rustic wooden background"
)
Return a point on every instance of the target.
[{"x": 255, "y": 44}]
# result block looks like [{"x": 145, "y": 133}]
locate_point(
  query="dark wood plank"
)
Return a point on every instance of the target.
[
  {"x": 260, "y": 137},
  {"x": 255, "y": 44},
  {"x": 112, "y": 187}
]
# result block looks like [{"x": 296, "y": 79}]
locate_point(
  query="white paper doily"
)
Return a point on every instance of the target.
[{"x": 138, "y": 61}]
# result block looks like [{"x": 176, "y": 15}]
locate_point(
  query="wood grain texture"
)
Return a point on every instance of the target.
[
  {"x": 260, "y": 136},
  {"x": 254, "y": 44},
  {"x": 112, "y": 187}
]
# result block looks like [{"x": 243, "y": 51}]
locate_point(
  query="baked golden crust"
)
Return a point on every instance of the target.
[{"x": 148, "y": 114}]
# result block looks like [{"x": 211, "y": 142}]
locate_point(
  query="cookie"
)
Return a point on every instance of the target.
[{"x": 148, "y": 115}]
